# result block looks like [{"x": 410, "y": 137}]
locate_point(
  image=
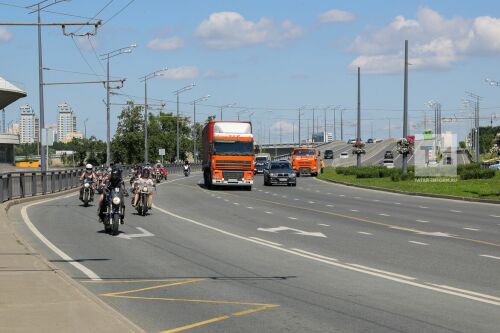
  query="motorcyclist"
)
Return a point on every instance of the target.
[
  {"x": 186, "y": 163},
  {"x": 144, "y": 180},
  {"x": 90, "y": 175},
  {"x": 112, "y": 181}
]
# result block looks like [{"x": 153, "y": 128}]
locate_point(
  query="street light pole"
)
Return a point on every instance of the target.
[
  {"x": 177, "y": 137},
  {"x": 195, "y": 148},
  {"x": 405, "y": 108},
  {"x": 145, "y": 80},
  {"x": 43, "y": 161},
  {"x": 107, "y": 56},
  {"x": 222, "y": 107},
  {"x": 358, "y": 156}
]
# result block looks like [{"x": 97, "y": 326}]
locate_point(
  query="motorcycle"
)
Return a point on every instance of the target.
[
  {"x": 142, "y": 203},
  {"x": 187, "y": 170},
  {"x": 158, "y": 176},
  {"x": 88, "y": 192},
  {"x": 114, "y": 211}
]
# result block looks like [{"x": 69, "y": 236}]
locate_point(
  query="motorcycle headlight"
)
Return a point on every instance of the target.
[
  {"x": 116, "y": 200},
  {"x": 145, "y": 189},
  {"x": 87, "y": 185}
]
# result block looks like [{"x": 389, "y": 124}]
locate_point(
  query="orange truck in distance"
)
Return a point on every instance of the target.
[
  {"x": 228, "y": 154},
  {"x": 305, "y": 160}
]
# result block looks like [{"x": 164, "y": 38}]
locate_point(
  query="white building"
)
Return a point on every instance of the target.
[
  {"x": 51, "y": 134},
  {"x": 29, "y": 127},
  {"x": 66, "y": 122}
]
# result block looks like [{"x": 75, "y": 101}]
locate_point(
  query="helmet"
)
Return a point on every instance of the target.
[
  {"x": 145, "y": 173},
  {"x": 109, "y": 169},
  {"x": 88, "y": 167}
]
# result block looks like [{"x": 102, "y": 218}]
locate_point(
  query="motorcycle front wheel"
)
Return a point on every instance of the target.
[
  {"x": 144, "y": 205},
  {"x": 115, "y": 225}
]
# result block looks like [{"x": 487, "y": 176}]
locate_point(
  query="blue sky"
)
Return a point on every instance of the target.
[{"x": 269, "y": 56}]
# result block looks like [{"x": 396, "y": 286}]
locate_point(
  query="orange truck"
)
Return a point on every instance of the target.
[
  {"x": 228, "y": 154},
  {"x": 305, "y": 160}
]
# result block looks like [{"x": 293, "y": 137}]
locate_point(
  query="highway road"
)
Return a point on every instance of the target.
[{"x": 316, "y": 258}]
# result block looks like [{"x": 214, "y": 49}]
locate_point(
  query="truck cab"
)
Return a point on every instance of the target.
[{"x": 305, "y": 160}]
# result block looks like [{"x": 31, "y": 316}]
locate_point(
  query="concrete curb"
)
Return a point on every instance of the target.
[
  {"x": 60, "y": 273},
  {"x": 430, "y": 195}
]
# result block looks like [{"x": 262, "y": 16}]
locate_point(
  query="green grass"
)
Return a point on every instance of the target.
[{"x": 472, "y": 188}]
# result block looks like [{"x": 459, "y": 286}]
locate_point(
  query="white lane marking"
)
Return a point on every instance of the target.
[
  {"x": 266, "y": 241},
  {"x": 329, "y": 193},
  {"x": 315, "y": 254},
  {"x": 24, "y": 214},
  {"x": 250, "y": 207},
  {"x": 488, "y": 256},
  {"x": 465, "y": 291},
  {"x": 423, "y": 207},
  {"x": 274, "y": 194},
  {"x": 330, "y": 206},
  {"x": 266, "y": 192},
  {"x": 397, "y": 203},
  {"x": 311, "y": 202},
  {"x": 269, "y": 212},
  {"x": 418, "y": 243},
  {"x": 259, "y": 190},
  {"x": 341, "y": 195},
  {"x": 292, "y": 218},
  {"x": 383, "y": 214},
  {"x": 385, "y": 272},
  {"x": 144, "y": 233},
  {"x": 296, "y": 231},
  {"x": 324, "y": 225},
  {"x": 219, "y": 198},
  {"x": 283, "y": 196},
  {"x": 226, "y": 200},
  {"x": 472, "y": 229},
  {"x": 354, "y": 210},
  {"x": 364, "y": 233},
  {"x": 357, "y": 197},
  {"x": 422, "y": 221},
  {"x": 340, "y": 265},
  {"x": 455, "y": 211},
  {"x": 498, "y": 216},
  {"x": 376, "y": 200},
  {"x": 317, "y": 191}
]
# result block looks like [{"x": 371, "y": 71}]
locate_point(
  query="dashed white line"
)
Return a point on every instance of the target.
[
  {"x": 472, "y": 229},
  {"x": 269, "y": 212},
  {"x": 455, "y": 211},
  {"x": 465, "y": 291},
  {"x": 329, "y": 193},
  {"x": 324, "y": 225},
  {"x": 292, "y": 218},
  {"x": 357, "y": 197},
  {"x": 274, "y": 194},
  {"x": 250, "y": 207},
  {"x": 236, "y": 204},
  {"x": 226, "y": 200},
  {"x": 397, "y": 203},
  {"x": 296, "y": 199},
  {"x": 422, "y": 221},
  {"x": 266, "y": 192},
  {"x": 317, "y": 191},
  {"x": 354, "y": 210},
  {"x": 218, "y": 197},
  {"x": 418, "y": 243},
  {"x": 488, "y": 256},
  {"x": 265, "y": 241},
  {"x": 385, "y": 272},
  {"x": 423, "y": 207},
  {"x": 330, "y": 206},
  {"x": 376, "y": 200},
  {"x": 383, "y": 214},
  {"x": 259, "y": 190},
  {"x": 311, "y": 202},
  {"x": 314, "y": 254},
  {"x": 364, "y": 233},
  {"x": 341, "y": 195},
  {"x": 497, "y": 216},
  {"x": 283, "y": 196}
]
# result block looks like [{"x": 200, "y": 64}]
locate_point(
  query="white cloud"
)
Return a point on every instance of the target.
[
  {"x": 213, "y": 74},
  {"x": 224, "y": 30},
  {"x": 172, "y": 43},
  {"x": 435, "y": 42},
  {"x": 181, "y": 73},
  {"x": 286, "y": 127},
  {"x": 5, "y": 35},
  {"x": 336, "y": 15}
]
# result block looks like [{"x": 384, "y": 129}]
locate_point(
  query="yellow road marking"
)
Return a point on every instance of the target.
[
  {"x": 200, "y": 323},
  {"x": 200, "y": 301},
  {"x": 355, "y": 218},
  {"x": 131, "y": 281},
  {"x": 246, "y": 312},
  {"x": 114, "y": 294}
]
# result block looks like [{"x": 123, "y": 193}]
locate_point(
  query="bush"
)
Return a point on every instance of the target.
[
  {"x": 467, "y": 167},
  {"x": 477, "y": 174},
  {"x": 368, "y": 173}
]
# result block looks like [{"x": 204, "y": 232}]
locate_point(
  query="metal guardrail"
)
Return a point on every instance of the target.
[{"x": 22, "y": 184}]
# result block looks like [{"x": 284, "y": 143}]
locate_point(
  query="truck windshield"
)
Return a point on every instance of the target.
[
  {"x": 233, "y": 148},
  {"x": 303, "y": 152},
  {"x": 261, "y": 159}
]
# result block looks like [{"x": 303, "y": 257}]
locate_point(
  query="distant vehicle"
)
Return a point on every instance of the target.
[
  {"x": 305, "y": 160},
  {"x": 369, "y": 141},
  {"x": 388, "y": 163},
  {"x": 328, "y": 154},
  {"x": 351, "y": 141},
  {"x": 378, "y": 140},
  {"x": 448, "y": 160},
  {"x": 388, "y": 155},
  {"x": 495, "y": 165},
  {"x": 279, "y": 172},
  {"x": 344, "y": 154},
  {"x": 260, "y": 162}
]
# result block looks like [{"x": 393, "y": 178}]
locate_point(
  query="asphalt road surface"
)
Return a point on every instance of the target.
[{"x": 316, "y": 258}]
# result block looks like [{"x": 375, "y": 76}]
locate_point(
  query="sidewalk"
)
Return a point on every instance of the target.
[{"x": 35, "y": 297}]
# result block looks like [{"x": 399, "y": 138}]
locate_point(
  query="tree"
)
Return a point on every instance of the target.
[{"x": 128, "y": 142}]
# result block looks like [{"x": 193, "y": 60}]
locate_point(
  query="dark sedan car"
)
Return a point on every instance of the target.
[
  {"x": 279, "y": 172},
  {"x": 328, "y": 154}
]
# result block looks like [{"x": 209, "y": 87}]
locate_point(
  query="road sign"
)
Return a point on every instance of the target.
[{"x": 161, "y": 152}]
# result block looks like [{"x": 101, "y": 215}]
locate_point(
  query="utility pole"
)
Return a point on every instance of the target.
[
  {"x": 300, "y": 114},
  {"x": 358, "y": 157},
  {"x": 177, "y": 92},
  {"x": 389, "y": 128},
  {"x": 145, "y": 79},
  {"x": 85, "y": 128},
  {"x": 38, "y": 8},
  {"x": 313, "y": 128},
  {"x": 405, "y": 108},
  {"x": 195, "y": 134},
  {"x": 324, "y": 131},
  {"x": 107, "y": 56},
  {"x": 342, "y": 124}
]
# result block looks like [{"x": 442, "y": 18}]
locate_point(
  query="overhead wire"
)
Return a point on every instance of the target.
[
  {"x": 99, "y": 12},
  {"x": 84, "y": 59},
  {"x": 118, "y": 12},
  {"x": 95, "y": 53},
  {"x": 45, "y": 10}
]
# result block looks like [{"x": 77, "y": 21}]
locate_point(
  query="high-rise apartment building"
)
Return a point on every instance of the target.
[
  {"x": 66, "y": 122},
  {"x": 29, "y": 125}
]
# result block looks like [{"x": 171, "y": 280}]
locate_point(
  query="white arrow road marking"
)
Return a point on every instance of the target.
[
  {"x": 297, "y": 231},
  {"x": 144, "y": 233}
]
